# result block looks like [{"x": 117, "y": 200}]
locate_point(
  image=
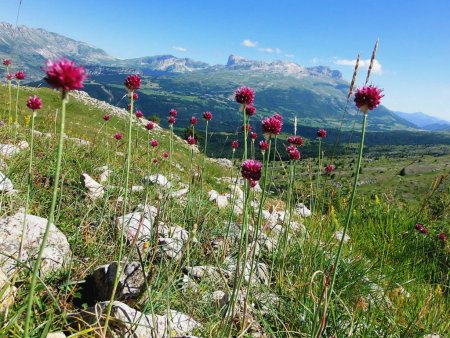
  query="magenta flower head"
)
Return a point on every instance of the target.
[
  {"x": 295, "y": 140},
  {"x": 244, "y": 95},
  {"x": 135, "y": 96},
  {"x": 263, "y": 145},
  {"x": 207, "y": 115},
  {"x": 133, "y": 82},
  {"x": 247, "y": 126},
  {"x": 193, "y": 120},
  {"x": 368, "y": 98},
  {"x": 234, "y": 145},
  {"x": 118, "y": 136},
  {"x": 329, "y": 168},
  {"x": 441, "y": 236},
  {"x": 150, "y": 126},
  {"x": 250, "y": 110},
  {"x": 278, "y": 117},
  {"x": 293, "y": 152},
  {"x": 191, "y": 140},
  {"x": 171, "y": 120},
  {"x": 153, "y": 143},
  {"x": 165, "y": 154},
  {"x": 6, "y": 62},
  {"x": 128, "y": 106},
  {"x": 271, "y": 126},
  {"x": 173, "y": 113},
  {"x": 155, "y": 161},
  {"x": 253, "y": 135},
  {"x": 251, "y": 170},
  {"x": 321, "y": 133},
  {"x": 63, "y": 74},
  {"x": 253, "y": 183},
  {"x": 34, "y": 102},
  {"x": 9, "y": 77},
  {"x": 420, "y": 227},
  {"x": 20, "y": 76},
  {"x": 139, "y": 114},
  {"x": 106, "y": 117}
]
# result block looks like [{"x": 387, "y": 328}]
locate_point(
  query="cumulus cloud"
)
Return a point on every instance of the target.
[
  {"x": 180, "y": 49},
  {"x": 249, "y": 43},
  {"x": 270, "y": 50},
  {"x": 376, "y": 69}
]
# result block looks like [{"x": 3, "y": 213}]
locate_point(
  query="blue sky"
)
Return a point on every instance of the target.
[{"x": 414, "y": 52}]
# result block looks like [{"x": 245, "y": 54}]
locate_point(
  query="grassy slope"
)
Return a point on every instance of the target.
[{"x": 384, "y": 249}]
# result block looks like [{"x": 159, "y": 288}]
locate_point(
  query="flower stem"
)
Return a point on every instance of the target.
[
  {"x": 51, "y": 216},
  {"x": 16, "y": 121},
  {"x": 319, "y": 166}
]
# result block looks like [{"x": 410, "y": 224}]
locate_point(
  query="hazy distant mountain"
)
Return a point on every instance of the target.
[{"x": 424, "y": 121}]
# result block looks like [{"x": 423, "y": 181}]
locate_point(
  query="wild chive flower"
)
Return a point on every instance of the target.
[
  {"x": 329, "y": 168},
  {"x": 251, "y": 170},
  {"x": 193, "y": 120},
  {"x": 118, "y": 136},
  {"x": 368, "y": 98},
  {"x": 271, "y": 126},
  {"x": 295, "y": 140},
  {"x": 133, "y": 82},
  {"x": 253, "y": 135},
  {"x": 421, "y": 228},
  {"x": 150, "y": 126},
  {"x": 250, "y": 110},
  {"x": 263, "y": 145},
  {"x": 278, "y": 117},
  {"x": 247, "y": 126},
  {"x": 20, "y": 76},
  {"x": 153, "y": 143},
  {"x": 165, "y": 154},
  {"x": 244, "y": 95},
  {"x": 34, "y": 103},
  {"x": 207, "y": 115},
  {"x": 9, "y": 77},
  {"x": 191, "y": 140},
  {"x": 171, "y": 120},
  {"x": 253, "y": 183},
  {"x": 234, "y": 144},
  {"x": 106, "y": 117},
  {"x": 321, "y": 133},
  {"x": 135, "y": 96},
  {"x": 293, "y": 152},
  {"x": 64, "y": 74},
  {"x": 139, "y": 114},
  {"x": 441, "y": 236},
  {"x": 128, "y": 106},
  {"x": 173, "y": 113},
  {"x": 6, "y": 62},
  {"x": 155, "y": 161}
]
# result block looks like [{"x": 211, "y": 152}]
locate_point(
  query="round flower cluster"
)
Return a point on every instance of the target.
[
  {"x": 139, "y": 114},
  {"x": 194, "y": 120},
  {"x": 153, "y": 143},
  {"x": 6, "y": 62},
  {"x": 20, "y": 76},
  {"x": 420, "y": 227},
  {"x": 321, "y": 133},
  {"x": 250, "y": 110},
  {"x": 171, "y": 120},
  {"x": 272, "y": 125},
  {"x": 329, "y": 168},
  {"x": 293, "y": 152},
  {"x": 368, "y": 98},
  {"x": 191, "y": 140},
  {"x": 244, "y": 95},
  {"x": 133, "y": 82},
  {"x": 207, "y": 115},
  {"x": 118, "y": 136},
  {"x": 135, "y": 96},
  {"x": 263, "y": 145},
  {"x": 251, "y": 170},
  {"x": 295, "y": 140},
  {"x": 9, "y": 77},
  {"x": 165, "y": 154},
  {"x": 253, "y": 136},
  {"x": 234, "y": 144},
  {"x": 173, "y": 112},
  {"x": 64, "y": 74},
  {"x": 106, "y": 117},
  {"x": 150, "y": 126},
  {"x": 247, "y": 126},
  {"x": 34, "y": 102},
  {"x": 441, "y": 236}
]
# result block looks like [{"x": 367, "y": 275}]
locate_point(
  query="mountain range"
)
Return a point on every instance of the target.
[{"x": 315, "y": 95}]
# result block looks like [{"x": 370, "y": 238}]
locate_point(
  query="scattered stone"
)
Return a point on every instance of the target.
[
  {"x": 5, "y": 183},
  {"x": 172, "y": 241},
  {"x": 158, "y": 179},
  {"x": 105, "y": 172},
  {"x": 23, "y": 145},
  {"x": 218, "y": 298},
  {"x": 137, "y": 188},
  {"x": 223, "y": 162},
  {"x": 95, "y": 189},
  {"x": 77, "y": 141},
  {"x": 302, "y": 210},
  {"x": 212, "y": 195},
  {"x": 7, "y": 292},
  {"x": 56, "y": 335},
  {"x": 179, "y": 193},
  {"x": 3, "y": 164},
  {"x": 222, "y": 201},
  {"x": 260, "y": 271},
  {"x": 8, "y": 150},
  {"x": 138, "y": 226},
  {"x": 338, "y": 236},
  {"x": 56, "y": 252}
]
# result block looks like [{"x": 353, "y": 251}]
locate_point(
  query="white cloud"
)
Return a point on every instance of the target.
[
  {"x": 315, "y": 60},
  {"x": 270, "y": 50},
  {"x": 289, "y": 55},
  {"x": 180, "y": 49},
  {"x": 376, "y": 69},
  {"x": 249, "y": 43}
]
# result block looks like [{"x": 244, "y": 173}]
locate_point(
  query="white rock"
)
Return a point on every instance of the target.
[
  {"x": 222, "y": 201},
  {"x": 179, "y": 193},
  {"x": 137, "y": 188},
  {"x": 257, "y": 188},
  {"x": 302, "y": 210},
  {"x": 95, "y": 189},
  {"x": 5, "y": 183},
  {"x": 23, "y": 145},
  {"x": 338, "y": 236},
  {"x": 158, "y": 179},
  {"x": 212, "y": 195},
  {"x": 223, "y": 162},
  {"x": 8, "y": 150},
  {"x": 56, "y": 252},
  {"x": 138, "y": 226},
  {"x": 56, "y": 335},
  {"x": 172, "y": 241},
  {"x": 7, "y": 292},
  {"x": 237, "y": 192},
  {"x": 181, "y": 323},
  {"x": 3, "y": 164}
]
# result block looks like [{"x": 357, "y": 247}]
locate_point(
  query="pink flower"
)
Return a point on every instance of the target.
[
  {"x": 194, "y": 120},
  {"x": 150, "y": 126},
  {"x": 128, "y": 106},
  {"x": 153, "y": 143},
  {"x": 139, "y": 114},
  {"x": 135, "y": 96},
  {"x": 234, "y": 144},
  {"x": 271, "y": 125},
  {"x": 207, "y": 115},
  {"x": 368, "y": 98},
  {"x": 244, "y": 95},
  {"x": 293, "y": 152},
  {"x": 253, "y": 183},
  {"x": 278, "y": 117},
  {"x": 20, "y": 76},
  {"x": 263, "y": 145},
  {"x": 6, "y": 62},
  {"x": 155, "y": 161},
  {"x": 34, "y": 103},
  {"x": 64, "y": 74},
  {"x": 253, "y": 135},
  {"x": 329, "y": 168},
  {"x": 106, "y": 117},
  {"x": 191, "y": 140},
  {"x": 247, "y": 126},
  {"x": 165, "y": 154},
  {"x": 118, "y": 136},
  {"x": 421, "y": 228},
  {"x": 250, "y": 110},
  {"x": 295, "y": 140},
  {"x": 321, "y": 133},
  {"x": 441, "y": 236},
  {"x": 133, "y": 82},
  {"x": 173, "y": 113},
  {"x": 9, "y": 77},
  {"x": 171, "y": 120},
  {"x": 251, "y": 170}
]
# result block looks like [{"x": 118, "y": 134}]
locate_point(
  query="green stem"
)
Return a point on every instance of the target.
[
  {"x": 17, "y": 108},
  {"x": 51, "y": 216},
  {"x": 350, "y": 208},
  {"x": 316, "y": 203},
  {"x": 245, "y": 132}
]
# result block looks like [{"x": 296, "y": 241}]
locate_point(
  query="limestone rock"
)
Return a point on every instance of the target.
[
  {"x": 56, "y": 335},
  {"x": 223, "y": 162},
  {"x": 8, "y": 150},
  {"x": 95, "y": 189},
  {"x": 302, "y": 210},
  {"x": 158, "y": 179},
  {"x": 7, "y": 292},
  {"x": 5, "y": 183},
  {"x": 179, "y": 193},
  {"x": 172, "y": 241},
  {"x": 338, "y": 236},
  {"x": 138, "y": 226}
]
